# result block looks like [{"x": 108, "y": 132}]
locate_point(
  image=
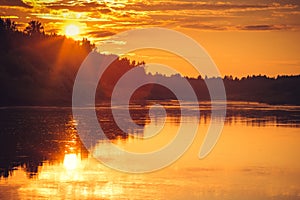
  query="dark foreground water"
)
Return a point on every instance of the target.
[{"x": 257, "y": 156}]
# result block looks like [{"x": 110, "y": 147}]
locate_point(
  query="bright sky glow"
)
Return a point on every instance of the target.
[{"x": 242, "y": 36}]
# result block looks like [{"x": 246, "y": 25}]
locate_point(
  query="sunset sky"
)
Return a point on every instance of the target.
[{"x": 242, "y": 36}]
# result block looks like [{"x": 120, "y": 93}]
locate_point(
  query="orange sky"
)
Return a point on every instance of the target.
[{"x": 242, "y": 36}]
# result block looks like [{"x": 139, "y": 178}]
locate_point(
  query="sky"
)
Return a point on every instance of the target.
[{"x": 243, "y": 37}]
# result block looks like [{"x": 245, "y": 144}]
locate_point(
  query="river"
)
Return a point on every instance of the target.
[{"x": 256, "y": 156}]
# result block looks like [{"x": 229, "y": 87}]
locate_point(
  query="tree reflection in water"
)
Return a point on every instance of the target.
[{"x": 32, "y": 136}]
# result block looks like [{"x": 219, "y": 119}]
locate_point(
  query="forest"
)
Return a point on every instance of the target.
[{"x": 39, "y": 69}]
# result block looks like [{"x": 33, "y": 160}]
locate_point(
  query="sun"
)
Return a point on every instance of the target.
[{"x": 72, "y": 30}]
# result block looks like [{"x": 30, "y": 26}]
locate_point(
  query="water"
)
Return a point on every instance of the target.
[{"x": 256, "y": 157}]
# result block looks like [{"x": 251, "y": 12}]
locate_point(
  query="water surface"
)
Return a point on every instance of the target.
[{"x": 42, "y": 157}]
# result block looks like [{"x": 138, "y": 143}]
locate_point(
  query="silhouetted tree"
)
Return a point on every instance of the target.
[
  {"x": 34, "y": 27},
  {"x": 8, "y": 25},
  {"x": 42, "y": 70},
  {"x": 86, "y": 44}
]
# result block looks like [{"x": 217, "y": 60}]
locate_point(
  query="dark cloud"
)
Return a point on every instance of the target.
[
  {"x": 264, "y": 27},
  {"x": 105, "y": 10},
  {"x": 100, "y": 34},
  {"x": 226, "y": 3},
  {"x": 92, "y": 6},
  {"x": 260, "y": 27},
  {"x": 141, "y": 6},
  {"x": 204, "y": 27},
  {"x": 14, "y": 3}
]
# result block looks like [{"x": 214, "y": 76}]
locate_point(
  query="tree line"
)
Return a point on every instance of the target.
[
  {"x": 256, "y": 88},
  {"x": 37, "y": 68}
]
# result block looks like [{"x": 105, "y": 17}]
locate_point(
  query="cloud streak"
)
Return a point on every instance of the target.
[
  {"x": 115, "y": 16},
  {"x": 177, "y": 6},
  {"x": 18, "y": 3},
  {"x": 100, "y": 34},
  {"x": 264, "y": 27}
]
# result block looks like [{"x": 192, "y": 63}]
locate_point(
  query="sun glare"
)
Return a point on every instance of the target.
[
  {"x": 71, "y": 161},
  {"x": 72, "y": 30}
]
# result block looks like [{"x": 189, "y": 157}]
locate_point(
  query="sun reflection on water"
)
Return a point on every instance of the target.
[
  {"x": 71, "y": 161},
  {"x": 74, "y": 178},
  {"x": 251, "y": 159}
]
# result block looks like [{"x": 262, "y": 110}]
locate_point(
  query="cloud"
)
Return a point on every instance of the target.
[
  {"x": 18, "y": 3},
  {"x": 82, "y": 7},
  {"x": 210, "y": 15},
  {"x": 99, "y": 34},
  {"x": 264, "y": 27},
  {"x": 214, "y": 15},
  {"x": 204, "y": 27},
  {"x": 259, "y": 27},
  {"x": 164, "y": 6}
]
